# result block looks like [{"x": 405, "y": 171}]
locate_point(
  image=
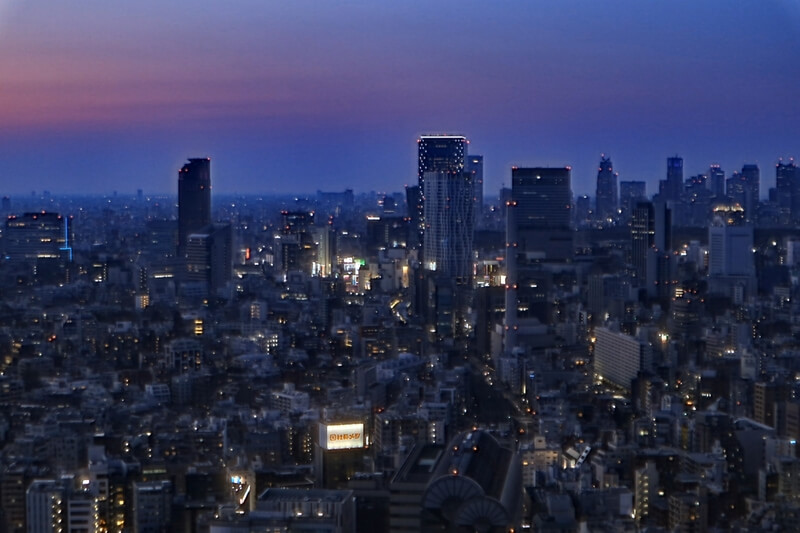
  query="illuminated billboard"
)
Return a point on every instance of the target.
[{"x": 341, "y": 436}]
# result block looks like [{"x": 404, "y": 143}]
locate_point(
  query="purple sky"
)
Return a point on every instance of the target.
[{"x": 297, "y": 96}]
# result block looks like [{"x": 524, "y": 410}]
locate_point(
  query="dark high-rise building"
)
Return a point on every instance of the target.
[
  {"x": 209, "y": 257},
  {"x": 449, "y": 224},
  {"x": 583, "y": 210},
  {"x": 743, "y": 189},
  {"x": 696, "y": 205},
  {"x": 385, "y": 232},
  {"x": 651, "y": 243},
  {"x": 663, "y": 227},
  {"x": 297, "y": 247},
  {"x": 660, "y": 260},
  {"x": 735, "y": 188},
  {"x": 194, "y": 199},
  {"x": 673, "y": 186},
  {"x": 543, "y": 197},
  {"x": 388, "y": 204},
  {"x": 787, "y": 185},
  {"x": 716, "y": 181},
  {"x": 438, "y": 153},
  {"x": 607, "y": 197},
  {"x": 475, "y": 167},
  {"x": 543, "y": 211},
  {"x": 752, "y": 182},
  {"x": 414, "y": 207},
  {"x": 643, "y": 229},
  {"x": 538, "y": 226},
  {"x": 630, "y": 193}
]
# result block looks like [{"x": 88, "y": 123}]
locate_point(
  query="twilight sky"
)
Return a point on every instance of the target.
[{"x": 296, "y": 96}]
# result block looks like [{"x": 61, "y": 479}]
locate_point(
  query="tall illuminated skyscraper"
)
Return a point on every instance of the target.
[
  {"x": 449, "y": 224},
  {"x": 441, "y": 153},
  {"x": 438, "y": 153},
  {"x": 194, "y": 199},
  {"x": 607, "y": 197}
]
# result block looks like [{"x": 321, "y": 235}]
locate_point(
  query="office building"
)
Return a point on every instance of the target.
[
  {"x": 538, "y": 227},
  {"x": 618, "y": 358},
  {"x": 716, "y": 181},
  {"x": 542, "y": 212},
  {"x": 183, "y": 355},
  {"x": 437, "y": 153},
  {"x": 475, "y": 168},
  {"x": 673, "y": 186},
  {"x": 37, "y": 236},
  {"x": 730, "y": 249},
  {"x": 607, "y": 197},
  {"x": 688, "y": 511},
  {"x": 787, "y": 186},
  {"x": 651, "y": 245},
  {"x": 696, "y": 204},
  {"x": 765, "y": 395},
  {"x": 449, "y": 224},
  {"x": 339, "y": 452},
  {"x": 630, "y": 193},
  {"x": 441, "y": 153},
  {"x": 296, "y": 245},
  {"x": 289, "y": 509},
  {"x": 731, "y": 262},
  {"x": 152, "y": 505},
  {"x": 385, "y": 232},
  {"x": 194, "y": 199},
  {"x": 414, "y": 210},
  {"x": 209, "y": 257},
  {"x": 45, "y": 506},
  {"x": 661, "y": 265},
  {"x": 751, "y": 176},
  {"x": 583, "y": 211},
  {"x": 735, "y": 189},
  {"x": 62, "y": 505},
  {"x": 743, "y": 189},
  {"x": 325, "y": 259}
]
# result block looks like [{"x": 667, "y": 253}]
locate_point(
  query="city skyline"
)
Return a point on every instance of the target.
[{"x": 295, "y": 98}]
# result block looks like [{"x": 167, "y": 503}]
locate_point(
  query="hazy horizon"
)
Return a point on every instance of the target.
[{"x": 295, "y": 97}]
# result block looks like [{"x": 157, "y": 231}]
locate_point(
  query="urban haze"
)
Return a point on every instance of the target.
[{"x": 291, "y": 267}]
